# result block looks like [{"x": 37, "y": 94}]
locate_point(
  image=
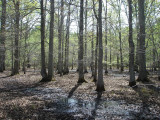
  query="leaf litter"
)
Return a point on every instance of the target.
[{"x": 23, "y": 97}]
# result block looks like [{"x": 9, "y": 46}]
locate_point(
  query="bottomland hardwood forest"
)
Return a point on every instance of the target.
[{"x": 80, "y": 59}]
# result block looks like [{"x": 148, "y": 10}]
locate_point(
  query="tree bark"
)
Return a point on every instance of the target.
[
  {"x": 51, "y": 36},
  {"x": 85, "y": 54},
  {"x": 43, "y": 66},
  {"x": 120, "y": 40},
  {"x": 16, "y": 52},
  {"x": 100, "y": 83},
  {"x": 96, "y": 54},
  {"x": 137, "y": 47},
  {"x": 142, "y": 57},
  {"x": 66, "y": 62},
  {"x": 80, "y": 52},
  {"x": 60, "y": 62},
  {"x": 106, "y": 71},
  {"x": 92, "y": 49},
  {"x": 131, "y": 47},
  {"x": 3, "y": 36}
]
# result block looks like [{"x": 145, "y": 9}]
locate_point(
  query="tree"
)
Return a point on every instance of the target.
[
  {"x": 96, "y": 49},
  {"x": 106, "y": 71},
  {"x": 3, "y": 36},
  {"x": 16, "y": 52},
  {"x": 80, "y": 51},
  {"x": 85, "y": 54},
  {"x": 100, "y": 83},
  {"x": 96, "y": 54},
  {"x": 66, "y": 62},
  {"x": 131, "y": 47},
  {"x": 50, "y": 59},
  {"x": 137, "y": 47},
  {"x": 120, "y": 39},
  {"x": 43, "y": 66},
  {"x": 60, "y": 61},
  {"x": 142, "y": 57},
  {"x": 92, "y": 49}
]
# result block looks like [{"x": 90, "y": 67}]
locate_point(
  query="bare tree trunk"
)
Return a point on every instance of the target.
[
  {"x": 16, "y": 54},
  {"x": 120, "y": 40},
  {"x": 137, "y": 47},
  {"x": 100, "y": 83},
  {"x": 85, "y": 54},
  {"x": 80, "y": 51},
  {"x": 62, "y": 54},
  {"x": 96, "y": 54},
  {"x": 25, "y": 46},
  {"x": 142, "y": 57},
  {"x": 96, "y": 51},
  {"x": 110, "y": 52},
  {"x": 117, "y": 61},
  {"x": 51, "y": 35},
  {"x": 43, "y": 66},
  {"x": 66, "y": 62},
  {"x": 73, "y": 57},
  {"x": 106, "y": 71},
  {"x": 132, "y": 81},
  {"x": 92, "y": 49},
  {"x": 60, "y": 62},
  {"x": 3, "y": 36}
]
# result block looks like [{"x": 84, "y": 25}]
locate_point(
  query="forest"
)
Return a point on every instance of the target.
[{"x": 80, "y": 59}]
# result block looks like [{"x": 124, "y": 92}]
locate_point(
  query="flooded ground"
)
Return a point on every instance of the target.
[{"x": 23, "y": 97}]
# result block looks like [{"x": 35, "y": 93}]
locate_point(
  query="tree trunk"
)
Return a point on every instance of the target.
[
  {"x": 110, "y": 52},
  {"x": 131, "y": 47},
  {"x": 43, "y": 66},
  {"x": 85, "y": 54},
  {"x": 117, "y": 61},
  {"x": 3, "y": 36},
  {"x": 51, "y": 35},
  {"x": 120, "y": 40},
  {"x": 106, "y": 71},
  {"x": 100, "y": 83},
  {"x": 16, "y": 54},
  {"x": 80, "y": 51},
  {"x": 96, "y": 54},
  {"x": 142, "y": 57},
  {"x": 66, "y": 62},
  {"x": 92, "y": 50},
  {"x": 25, "y": 46},
  {"x": 73, "y": 58},
  {"x": 137, "y": 47},
  {"x": 60, "y": 62}
]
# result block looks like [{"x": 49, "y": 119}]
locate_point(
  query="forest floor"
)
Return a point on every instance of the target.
[{"x": 23, "y": 97}]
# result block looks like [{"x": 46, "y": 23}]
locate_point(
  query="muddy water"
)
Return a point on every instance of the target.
[{"x": 93, "y": 109}]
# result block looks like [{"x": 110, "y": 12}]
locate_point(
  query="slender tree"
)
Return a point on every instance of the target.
[
  {"x": 120, "y": 39},
  {"x": 60, "y": 61},
  {"x": 43, "y": 66},
  {"x": 3, "y": 36},
  {"x": 137, "y": 46},
  {"x": 92, "y": 49},
  {"x": 96, "y": 49},
  {"x": 100, "y": 83},
  {"x": 96, "y": 56},
  {"x": 131, "y": 47},
  {"x": 106, "y": 71},
  {"x": 85, "y": 53},
  {"x": 80, "y": 51},
  {"x": 66, "y": 62},
  {"x": 51, "y": 35},
  {"x": 16, "y": 52},
  {"x": 142, "y": 57}
]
